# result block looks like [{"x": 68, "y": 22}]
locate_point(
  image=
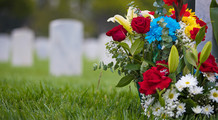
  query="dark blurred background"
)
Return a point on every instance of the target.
[{"x": 37, "y": 14}]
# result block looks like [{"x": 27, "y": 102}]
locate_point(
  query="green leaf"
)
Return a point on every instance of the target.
[
  {"x": 173, "y": 60},
  {"x": 95, "y": 66},
  {"x": 161, "y": 99},
  {"x": 200, "y": 35},
  {"x": 133, "y": 66},
  {"x": 188, "y": 65},
  {"x": 195, "y": 53},
  {"x": 124, "y": 45},
  {"x": 181, "y": 65},
  {"x": 125, "y": 80},
  {"x": 189, "y": 104},
  {"x": 205, "y": 53},
  {"x": 214, "y": 18},
  {"x": 185, "y": 70},
  {"x": 137, "y": 47},
  {"x": 105, "y": 67},
  {"x": 191, "y": 58},
  {"x": 144, "y": 67},
  {"x": 167, "y": 39},
  {"x": 172, "y": 76},
  {"x": 110, "y": 64}
]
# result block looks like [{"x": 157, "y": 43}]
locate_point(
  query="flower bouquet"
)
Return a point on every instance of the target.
[{"x": 158, "y": 51}]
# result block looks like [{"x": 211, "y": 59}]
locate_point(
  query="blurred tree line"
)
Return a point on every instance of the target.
[{"x": 37, "y": 14}]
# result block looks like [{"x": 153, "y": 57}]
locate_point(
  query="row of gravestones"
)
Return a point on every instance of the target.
[{"x": 64, "y": 48}]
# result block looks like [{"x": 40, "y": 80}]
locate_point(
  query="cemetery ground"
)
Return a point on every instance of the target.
[{"x": 31, "y": 93}]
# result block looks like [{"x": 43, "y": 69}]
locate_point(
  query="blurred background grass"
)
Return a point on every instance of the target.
[{"x": 31, "y": 93}]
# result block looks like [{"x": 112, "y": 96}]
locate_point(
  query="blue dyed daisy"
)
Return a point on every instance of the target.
[{"x": 156, "y": 30}]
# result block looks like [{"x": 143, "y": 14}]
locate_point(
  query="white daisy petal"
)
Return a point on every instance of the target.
[
  {"x": 207, "y": 110},
  {"x": 197, "y": 110},
  {"x": 214, "y": 95},
  {"x": 196, "y": 90}
]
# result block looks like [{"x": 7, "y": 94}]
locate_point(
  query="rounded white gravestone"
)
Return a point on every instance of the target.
[
  {"x": 5, "y": 45},
  {"x": 105, "y": 56},
  {"x": 66, "y": 37},
  {"x": 22, "y": 47},
  {"x": 42, "y": 47},
  {"x": 91, "y": 48}
]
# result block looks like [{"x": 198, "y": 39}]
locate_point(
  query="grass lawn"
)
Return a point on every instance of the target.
[{"x": 31, "y": 93}]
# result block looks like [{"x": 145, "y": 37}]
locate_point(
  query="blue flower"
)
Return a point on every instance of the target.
[{"x": 155, "y": 32}]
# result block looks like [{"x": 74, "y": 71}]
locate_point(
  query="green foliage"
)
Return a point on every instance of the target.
[
  {"x": 200, "y": 35},
  {"x": 137, "y": 47},
  {"x": 18, "y": 8},
  {"x": 205, "y": 53},
  {"x": 191, "y": 58},
  {"x": 214, "y": 18},
  {"x": 125, "y": 80},
  {"x": 161, "y": 11},
  {"x": 173, "y": 59}
]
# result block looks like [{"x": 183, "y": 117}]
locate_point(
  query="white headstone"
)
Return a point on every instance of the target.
[
  {"x": 202, "y": 10},
  {"x": 5, "y": 45},
  {"x": 91, "y": 49},
  {"x": 105, "y": 56},
  {"x": 66, "y": 37},
  {"x": 22, "y": 47},
  {"x": 42, "y": 47}
]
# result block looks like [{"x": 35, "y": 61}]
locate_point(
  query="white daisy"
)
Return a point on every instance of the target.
[
  {"x": 189, "y": 80},
  {"x": 214, "y": 95},
  {"x": 181, "y": 109},
  {"x": 210, "y": 76},
  {"x": 179, "y": 86},
  {"x": 197, "y": 110},
  {"x": 207, "y": 110},
  {"x": 171, "y": 95},
  {"x": 157, "y": 109},
  {"x": 196, "y": 90}
]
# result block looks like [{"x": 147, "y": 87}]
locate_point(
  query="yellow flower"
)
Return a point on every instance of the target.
[
  {"x": 189, "y": 28},
  {"x": 122, "y": 21},
  {"x": 189, "y": 20}
]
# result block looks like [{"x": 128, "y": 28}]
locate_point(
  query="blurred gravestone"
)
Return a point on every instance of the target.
[
  {"x": 22, "y": 47},
  {"x": 105, "y": 56},
  {"x": 202, "y": 10},
  {"x": 42, "y": 47},
  {"x": 91, "y": 49},
  {"x": 66, "y": 37},
  {"x": 5, "y": 45}
]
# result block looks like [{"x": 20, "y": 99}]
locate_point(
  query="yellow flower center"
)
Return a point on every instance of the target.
[
  {"x": 187, "y": 82},
  {"x": 206, "y": 109},
  {"x": 180, "y": 107},
  {"x": 215, "y": 94},
  {"x": 171, "y": 96}
]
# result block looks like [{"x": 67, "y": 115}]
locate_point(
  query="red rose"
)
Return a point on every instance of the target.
[
  {"x": 202, "y": 23},
  {"x": 170, "y": 2},
  {"x": 153, "y": 79},
  {"x": 141, "y": 24},
  {"x": 194, "y": 32},
  {"x": 118, "y": 33},
  {"x": 161, "y": 68},
  {"x": 209, "y": 65}
]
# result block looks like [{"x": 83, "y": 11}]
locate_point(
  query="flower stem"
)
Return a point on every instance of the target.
[{"x": 197, "y": 72}]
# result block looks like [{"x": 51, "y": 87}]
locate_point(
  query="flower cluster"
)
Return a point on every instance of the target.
[
  {"x": 192, "y": 24},
  {"x": 160, "y": 55}
]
